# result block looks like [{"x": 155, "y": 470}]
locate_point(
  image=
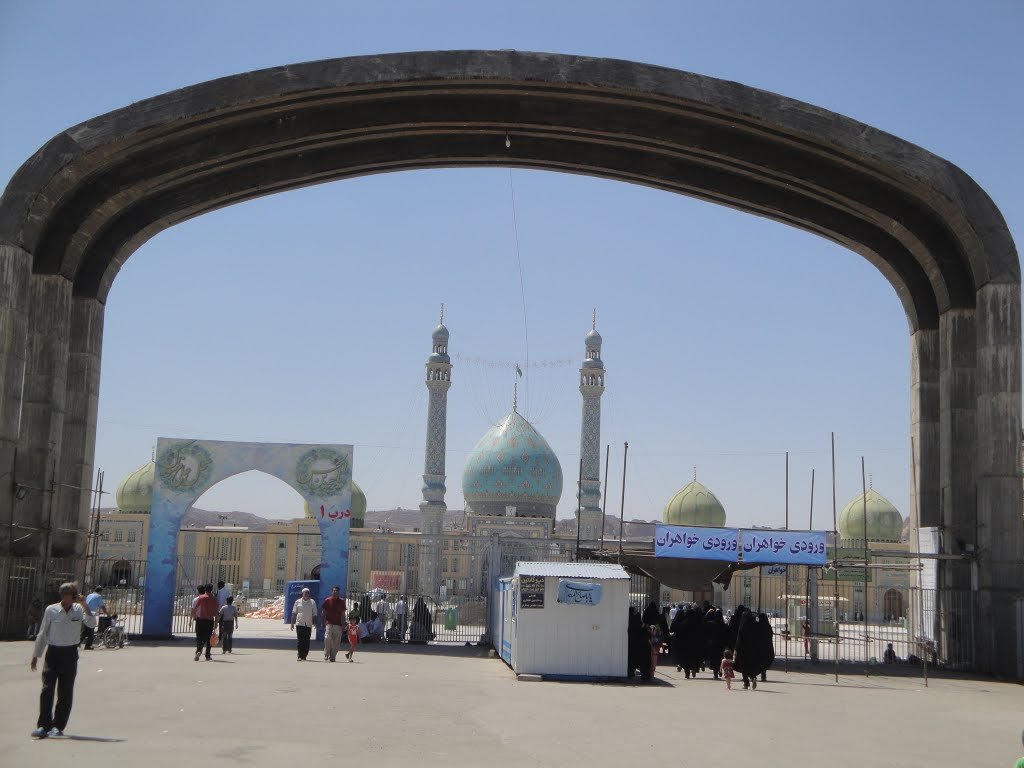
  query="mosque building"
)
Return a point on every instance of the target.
[{"x": 512, "y": 483}]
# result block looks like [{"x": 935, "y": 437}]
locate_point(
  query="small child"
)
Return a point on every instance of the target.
[
  {"x": 228, "y": 623},
  {"x": 655, "y": 647},
  {"x": 353, "y": 635},
  {"x": 726, "y": 668}
]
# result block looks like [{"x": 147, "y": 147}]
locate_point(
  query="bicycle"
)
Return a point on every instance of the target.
[{"x": 113, "y": 636}]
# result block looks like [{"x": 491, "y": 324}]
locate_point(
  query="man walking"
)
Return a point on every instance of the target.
[
  {"x": 222, "y": 595},
  {"x": 59, "y": 634},
  {"x": 228, "y": 624},
  {"x": 401, "y": 617},
  {"x": 333, "y": 609},
  {"x": 204, "y": 613},
  {"x": 98, "y": 607},
  {"x": 304, "y": 614}
]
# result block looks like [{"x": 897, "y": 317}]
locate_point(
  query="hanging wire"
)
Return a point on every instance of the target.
[{"x": 522, "y": 288}]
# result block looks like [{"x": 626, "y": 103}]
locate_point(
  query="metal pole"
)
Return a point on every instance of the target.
[
  {"x": 864, "y": 499},
  {"x": 607, "y": 455},
  {"x": 919, "y": 617},
  {"x": 787, "y": 567},
  {"x": 579, "y": 511},
  {"x": 812, "y": 599},
  {"x": 835, "y": 538},
  {"x": 622, "y": 505},
  {"x": 48, "y": 539}
]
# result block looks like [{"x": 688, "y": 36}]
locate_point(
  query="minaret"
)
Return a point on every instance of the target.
[
  {"x": 439, "y": 371},
  {"x": 591, "y": 387}
]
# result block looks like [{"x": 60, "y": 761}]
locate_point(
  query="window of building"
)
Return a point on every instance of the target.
[
  {"x": 462, "y": 584},
  {"x": 280, "y": 563},
  {"x": 447, "y": 544},
  {"x": 118, "y": 534},
  {"x": 444, "y": 565},
  {"x": 105, "y": 534},
  {"x": 131, "y": 535},
  {"x": 455, "y": 565}
]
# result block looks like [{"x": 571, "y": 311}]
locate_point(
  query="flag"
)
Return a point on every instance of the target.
[{"x": 519, "y": 371}]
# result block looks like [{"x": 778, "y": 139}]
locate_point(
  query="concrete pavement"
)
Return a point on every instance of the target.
[{"x": 152, "y": 705}]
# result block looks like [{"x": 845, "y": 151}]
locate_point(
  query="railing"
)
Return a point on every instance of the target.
[{"x": 922, "y": 625}]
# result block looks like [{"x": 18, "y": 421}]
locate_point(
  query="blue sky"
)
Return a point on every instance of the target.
[{"x": 729, "y": 340}]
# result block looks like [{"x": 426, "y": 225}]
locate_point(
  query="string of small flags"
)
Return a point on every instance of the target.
[{"x": 484, "y": 362}]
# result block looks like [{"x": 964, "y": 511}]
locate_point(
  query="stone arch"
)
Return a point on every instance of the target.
[
  {"x": 185, "y": 469},
  {"x": 91, "y": 196}
]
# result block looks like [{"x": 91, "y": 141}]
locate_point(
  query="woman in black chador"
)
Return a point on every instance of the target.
[
  {"x": 421, "y": 627},
  {"x": 638, "y": 647},
  {"x": 767, "y": 635},
  {"x": 714, "y": 640},
  {"x": 691, "y": 642},
  {"x": 652, "y": 616},
  {"x": 750, "y": 656}
]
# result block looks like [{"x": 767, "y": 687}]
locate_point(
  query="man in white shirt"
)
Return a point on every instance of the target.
[
  {"x": 381, "y": 607},
  {"x": 372, "y": 631},
  {"x": 222, "y": 595},
  {"x": 59, "y": 634},
  {"x": 304, "y": 615},
  {"x": 401, "y": 617}
]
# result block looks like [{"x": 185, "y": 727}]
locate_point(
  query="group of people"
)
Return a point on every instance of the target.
[
  {"x": 210, "y": 608},
  {"x": 365, "y": 624},
  {"x": 698, "y": 639}
]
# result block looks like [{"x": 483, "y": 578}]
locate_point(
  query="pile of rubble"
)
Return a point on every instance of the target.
[{"x": 273, "y": 611}]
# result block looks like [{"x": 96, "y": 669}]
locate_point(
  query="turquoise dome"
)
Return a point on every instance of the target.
[
  {"x": 885, "y": 523},
  {"x": 512, "y": 465},
  {"x": 694, "y": 504}
]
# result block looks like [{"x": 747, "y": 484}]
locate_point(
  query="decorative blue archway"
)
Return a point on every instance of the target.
[{"x": 185, "y": 469}]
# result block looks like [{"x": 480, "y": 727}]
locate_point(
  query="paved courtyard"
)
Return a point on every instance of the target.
[{"x": 152, "y": 705}]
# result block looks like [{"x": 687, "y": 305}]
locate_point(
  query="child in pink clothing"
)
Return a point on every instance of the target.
[
  {"x": 726, "y": 669},
  {"x": 353, "y": 636}
]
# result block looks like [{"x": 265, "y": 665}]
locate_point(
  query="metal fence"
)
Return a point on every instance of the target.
[
  {"x": 854, "y": 623},
  {"x": 31, "y": 583}
]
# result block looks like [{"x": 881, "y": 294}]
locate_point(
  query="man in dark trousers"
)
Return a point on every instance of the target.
[
  {"x": 59, "y": 633},
  {"x": 204, "y": 613}
]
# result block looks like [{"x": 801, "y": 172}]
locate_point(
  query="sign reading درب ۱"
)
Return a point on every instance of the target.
[
  {"x": 740, "y": 545},
  {"x": 578, "y": 592},
  {"x": 531, "y": 591}
]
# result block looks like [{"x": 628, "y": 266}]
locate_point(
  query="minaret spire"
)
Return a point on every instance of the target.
[
  {"x": 591, "y": 388},
  {"x": 433, "y": 507}
]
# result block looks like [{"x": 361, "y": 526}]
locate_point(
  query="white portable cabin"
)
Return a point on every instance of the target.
[{"x": 563, "y": 620}]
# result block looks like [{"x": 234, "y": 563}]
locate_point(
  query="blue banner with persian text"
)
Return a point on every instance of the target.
[
  {"x": 578, "y": 593},
  {"x": 793, "y": 547},
  {"x": 740, "y": 545},
  {"x": 696, "y": 543}
]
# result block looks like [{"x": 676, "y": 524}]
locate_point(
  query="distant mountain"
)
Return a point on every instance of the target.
[{"x": 401, "y": 520}]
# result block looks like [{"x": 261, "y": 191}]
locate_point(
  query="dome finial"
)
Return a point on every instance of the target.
[
  {"x": 871, "y": 482},
  {"x": 515, "y": 396},
  {"x": 441, "y": 321},
  {"x": 593, "y": 322},
  {"x": 695, "y": 473}
]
